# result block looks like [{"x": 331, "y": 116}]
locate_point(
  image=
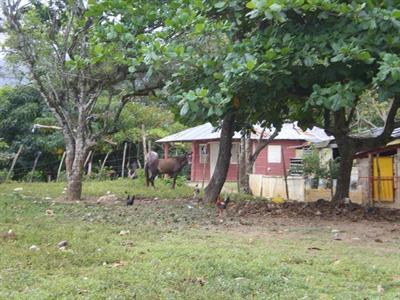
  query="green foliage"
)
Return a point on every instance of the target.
[
  {"x": 20, "y": 108},
  {"x": 158, "y": 122},
  {"x": 36, "y": 176},
  {"x": 312, "y": 165},
  {"x": 180, "y": 180},
  {"x": 3, "y": 175}
]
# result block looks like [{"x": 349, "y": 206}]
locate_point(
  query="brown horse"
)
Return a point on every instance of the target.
[{"x": 171, "y": 166}]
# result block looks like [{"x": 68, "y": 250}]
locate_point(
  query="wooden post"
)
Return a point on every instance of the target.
[
  {"x": 138, "y": 155},
  {"x": 14, "y": 162},
  {"x": 285, "y": 174},
  {"x": 370, "y": 180},
  {"x": 330, "y": 177},
  {"x": 204, "y": 167},
  {"x": 87, "y": 159},
  {"x": 34, "y": 165},
  {"x": 103, "y": 164},
  {"x": 166, "y": 150},
  {"x": 90, "y": 164},
  {"x": 123, "y": 160},
  {"x": 129, "y": 156},
  {"x": 378, "y": 169},
  {"x": 238, "y": 170},
  {"x": 144, "y": 143},
  {"x": 60, "y": 166}
]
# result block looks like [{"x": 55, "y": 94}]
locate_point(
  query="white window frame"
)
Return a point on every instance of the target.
[
  {"x": 274, "y": 154},
  {"x": 203, "y": 156},
  {"x": 234, "y": 156}
]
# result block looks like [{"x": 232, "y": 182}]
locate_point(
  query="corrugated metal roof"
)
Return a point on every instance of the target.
[
  {"x": 376, "y": 132},
  {"x": 289, "y": 131}
]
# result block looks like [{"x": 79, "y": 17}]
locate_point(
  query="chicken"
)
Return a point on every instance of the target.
[
  {"x": 222, "y": 204},
  {"x": 130, "y": 200},
  {"x": 196, "y": 191}
]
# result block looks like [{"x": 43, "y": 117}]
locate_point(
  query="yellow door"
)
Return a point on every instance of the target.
[{"x": 383, "y": 186}]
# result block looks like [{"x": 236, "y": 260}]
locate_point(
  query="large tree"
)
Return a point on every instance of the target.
[
  {"x": 334, "y": 51},
  {"x": 215, "y": 75},
  {"x": 74, "y": 52}
]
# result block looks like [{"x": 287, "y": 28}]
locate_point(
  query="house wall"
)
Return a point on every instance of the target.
[
  {"x": 198, "y": 169},
  {"x": 365, "y": 171},
  {"x": 262, "y": 166}
]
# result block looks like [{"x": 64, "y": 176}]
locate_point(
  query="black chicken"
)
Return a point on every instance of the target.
[
  {"x": 130, "y": 200},
  {"x": 222, "y": 204}
]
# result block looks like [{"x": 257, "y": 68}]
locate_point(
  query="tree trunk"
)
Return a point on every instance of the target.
[
  {"x": 74, "y": 188},
  {"x": 252, "y": 154},
  {"x": 242, "y": 163},
  {"x": 347, "y": 151},
  {"x": 217, "y": 180},
  {"x": 250, "y": 159}
]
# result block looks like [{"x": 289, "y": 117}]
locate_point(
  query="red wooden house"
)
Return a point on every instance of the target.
[{"x": 205, "y": 147}]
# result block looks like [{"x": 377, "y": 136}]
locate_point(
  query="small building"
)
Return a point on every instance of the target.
[
  {"x": 284, "y": 151},
  {"x": 378, "y": 174}
]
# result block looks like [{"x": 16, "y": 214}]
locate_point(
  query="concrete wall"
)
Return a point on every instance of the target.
[
  {"x": 274, "y": 186},
  {"x": 299, "y": 190}
]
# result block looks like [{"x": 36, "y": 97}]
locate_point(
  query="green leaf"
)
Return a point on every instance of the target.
[
  {"x": 199, "y": 27},
  {"x": 396, "y": 14},
  {"x": 251, "y": 61},
  {"x": 251, "y": 5},
  {"x": 364, "y": 55},
  {"x": 395, "y": 74},
  {"x": 219, "y": 4},
  {"x": 98, "y": 49},
  {"x": 275, "y": 7},
  {"x": 184, "y": 109}
]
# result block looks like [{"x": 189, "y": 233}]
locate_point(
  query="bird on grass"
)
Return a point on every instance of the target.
[
  {"x": 222, "y": 204},
  {"x": 196, "y": 191},
  {"x": 130, "y": 200}
]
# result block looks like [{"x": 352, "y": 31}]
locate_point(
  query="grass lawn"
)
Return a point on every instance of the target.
[{"x": 170, "y": 251}]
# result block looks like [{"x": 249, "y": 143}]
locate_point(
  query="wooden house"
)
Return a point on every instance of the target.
[{"x": 272, "y": 160}]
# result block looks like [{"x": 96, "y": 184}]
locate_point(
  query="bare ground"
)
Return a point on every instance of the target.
[{"x": 261, "y": 219}]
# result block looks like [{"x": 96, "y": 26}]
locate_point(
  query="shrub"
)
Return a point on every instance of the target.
[
  {"x": 35, "y": 176},
  {"x": 3, "y": 175}
]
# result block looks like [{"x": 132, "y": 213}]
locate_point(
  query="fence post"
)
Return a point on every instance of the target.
[
  {"x": 103, "y": 164},
  {"x": 34, "y": 165},
  {"x": 123, "y": 160},
  {"x": 14, "y": 162},
  {"x": 285, "y": 174},
  {"x": 60, "y": 166}
]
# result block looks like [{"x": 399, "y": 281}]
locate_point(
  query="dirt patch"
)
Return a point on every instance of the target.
[{"x": 316, "y": 210}]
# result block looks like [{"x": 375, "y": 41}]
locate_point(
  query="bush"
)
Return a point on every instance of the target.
[
  {"x": 3, "y": 175},
  {"x": 36, "y": 176},
  {"x": 180, "y": 180}
]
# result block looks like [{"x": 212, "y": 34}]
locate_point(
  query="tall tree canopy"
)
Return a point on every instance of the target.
[
  {"x": 74, "y": 53},
  {"x": 334, "y": 52}
]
